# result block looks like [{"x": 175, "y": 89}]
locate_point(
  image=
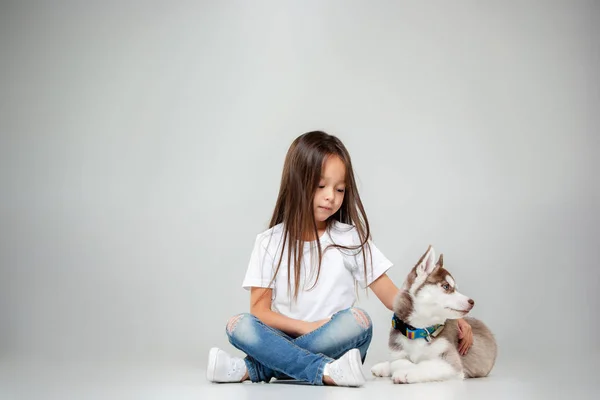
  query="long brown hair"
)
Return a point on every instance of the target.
[{"x": 294, "y": 206}]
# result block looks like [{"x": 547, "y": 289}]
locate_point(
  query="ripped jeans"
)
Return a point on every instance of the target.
[{"x": 273, "y": 354}]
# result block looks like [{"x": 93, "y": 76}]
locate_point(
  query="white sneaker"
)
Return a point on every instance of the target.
[
  {"x": 347, "y": 370},
  {"x": 224, "y": 368}
]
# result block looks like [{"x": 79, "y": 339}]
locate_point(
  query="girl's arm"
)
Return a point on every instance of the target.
[
  {"x": 385, "y": 290},
  {"x": 260, "y": 307}
]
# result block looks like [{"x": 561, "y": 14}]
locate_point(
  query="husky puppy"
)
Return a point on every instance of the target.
[{"x": 424, "y": 334}]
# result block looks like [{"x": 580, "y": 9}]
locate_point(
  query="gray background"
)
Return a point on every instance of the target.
[{"x": 142, "y": 144}]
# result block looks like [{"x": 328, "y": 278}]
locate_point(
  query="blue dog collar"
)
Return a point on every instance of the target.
[{"x": 411, "y": 332}]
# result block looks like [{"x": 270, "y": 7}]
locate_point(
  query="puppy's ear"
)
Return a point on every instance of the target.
[
  {"x": 427, "y": 263},
  {"x": 440, "y": 261}
]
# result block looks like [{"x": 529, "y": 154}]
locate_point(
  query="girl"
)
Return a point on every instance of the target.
[{"x": 302, "y": 278}]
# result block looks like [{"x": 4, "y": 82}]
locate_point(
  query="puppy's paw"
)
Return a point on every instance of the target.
[
  {"x": 381, "y": 369},
  {"x": 400, "y": 376}
]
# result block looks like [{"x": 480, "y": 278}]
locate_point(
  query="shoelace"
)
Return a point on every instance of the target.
[
  {"x": 235, "y": 368},
  {"x": 337, "y": 374}
]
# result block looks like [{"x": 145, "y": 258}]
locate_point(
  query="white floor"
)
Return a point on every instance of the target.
[{"x": 523, "y": 380}]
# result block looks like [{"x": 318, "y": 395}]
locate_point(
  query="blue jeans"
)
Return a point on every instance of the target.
[{"x": 273, "y": 354}]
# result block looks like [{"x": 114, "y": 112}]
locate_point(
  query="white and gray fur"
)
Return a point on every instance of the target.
[{"x": 429, "y": 297}]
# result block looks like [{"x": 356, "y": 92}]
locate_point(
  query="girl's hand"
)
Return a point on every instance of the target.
[
  {"x": 311, "y": 326},
  {"x": 465, "y": 337}
]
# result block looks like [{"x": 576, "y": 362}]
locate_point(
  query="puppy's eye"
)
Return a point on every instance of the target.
[{"x": 445, "y": 286}]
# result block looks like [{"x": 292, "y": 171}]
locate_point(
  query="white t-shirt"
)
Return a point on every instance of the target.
[{"x": 340, "y": 269}]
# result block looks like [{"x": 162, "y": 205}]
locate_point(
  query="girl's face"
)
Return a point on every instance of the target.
[{"x": 330, "y": 193}]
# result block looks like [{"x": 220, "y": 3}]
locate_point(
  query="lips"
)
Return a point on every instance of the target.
[{"x": 325, "y": 208}]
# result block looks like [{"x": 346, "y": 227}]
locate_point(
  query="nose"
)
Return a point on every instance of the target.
[
  {"x": 329, "y": 194},
  {"x": 471, "y": 303}
]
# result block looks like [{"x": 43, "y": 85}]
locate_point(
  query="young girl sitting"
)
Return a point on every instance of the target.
[{"x": 302, "y": 278}]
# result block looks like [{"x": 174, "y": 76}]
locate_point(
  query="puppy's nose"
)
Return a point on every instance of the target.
[{"x": 471, "y": 302}]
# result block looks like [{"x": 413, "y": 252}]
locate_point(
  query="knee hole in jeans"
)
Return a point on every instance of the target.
[
  {"x": 361, "y": 317},
  {"x": 231, "y": 324}
]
